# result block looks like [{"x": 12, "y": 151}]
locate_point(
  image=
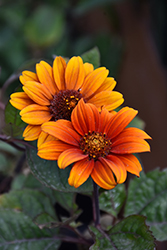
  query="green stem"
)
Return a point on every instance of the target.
[{"x": 96, "y": 211}]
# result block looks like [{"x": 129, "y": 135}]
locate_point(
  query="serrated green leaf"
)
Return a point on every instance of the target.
[
  {"x": 92, "y": 56},
  {"x": 111, "y": 201},
  {"x": 48, "y": 173},
  {"x": 31, "y": 202},
  {"x": 66, "y": 200},
  {"x": 17, "y": 231},
  {"x": 147, "y": 196},
  {"x": 131, "y": 233}
]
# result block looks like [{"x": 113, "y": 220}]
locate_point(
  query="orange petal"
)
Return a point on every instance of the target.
[
  {"x": 51, "y": 150},
  {"x": 28, "y": 76},
  {"x": 120, "y": 121},
  {"x": 131, "y": 163},
  {"x": 117, "y": 167},
  {"x": 88, "y": 68},
  {"x": 38, "y": 93},
  {"x": 44, "y": 75},
  {"x": 85, "y": 117},
  {"x": 110, "y": 100},
  {"x": 20, "y": 100},
  {"x": 35, "y": 114},
  {"x": 75, "y": 73},
  {"x": 108, "y": 85},
  {"x": 129, "y": 145},
  {"x": 45, "y": 137},
  {"x": 62, "y": 130},
  {"x": 70, "y": 156},
  {"x": 31, "y": 132},
  {"x": 104, "y": 119},
  {"x": 93, "y": 81},
  {"x": 134, "y": 132},
  {"x": 59, "y": 66},
  {"x": 103, "y": 175},
  {"x": 80, "y": 172}
]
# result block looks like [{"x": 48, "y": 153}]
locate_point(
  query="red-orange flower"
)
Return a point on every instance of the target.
[
  {"x": 99, "y": 145},
  {"x": 53, "y": 92}
]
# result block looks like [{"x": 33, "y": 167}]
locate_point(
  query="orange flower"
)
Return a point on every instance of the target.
[
  {"x": 52, "y": 93},
  {"x": 99, "y": 145}
]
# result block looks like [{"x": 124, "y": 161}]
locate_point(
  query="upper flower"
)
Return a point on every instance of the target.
[
  {"x": 52, "y": 93},
  {"x": 99, "y": 145}
]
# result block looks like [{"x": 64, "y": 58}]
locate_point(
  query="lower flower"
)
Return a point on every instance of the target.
[{"x": 99, "y": 145}]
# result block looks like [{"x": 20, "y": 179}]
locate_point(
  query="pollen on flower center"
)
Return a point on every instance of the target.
[
  {"x": 95, "y": 144},
  {"x": 63, "y": 104}
]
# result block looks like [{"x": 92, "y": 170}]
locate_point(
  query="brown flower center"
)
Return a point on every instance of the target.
[
  {"x": 95, "y": 144},
  {"x": 63, "y": 104}
]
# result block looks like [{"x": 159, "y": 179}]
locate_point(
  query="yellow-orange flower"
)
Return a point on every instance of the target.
[
  {"x": 53, "y": 92},
  {"x": 98, "y": 143}
]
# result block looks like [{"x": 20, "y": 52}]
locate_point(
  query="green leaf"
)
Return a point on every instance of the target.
[
  {"x": 147, "y": 196},
  {"x": 31, "y": 202},
  {"x": 111, "y": 201},
  {"x": 48, "y": 173},
  {"x": 17, "y": 231},
  {"x": 42, "y": 33},
  {"x": 66, "y": 200},
  {"x": 14, "y": 125},
  {"x": 131, "y": 233},
  {"x": 92, "y": 56}
]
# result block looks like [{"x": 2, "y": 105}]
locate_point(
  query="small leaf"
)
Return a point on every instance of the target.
[
  {"x": 48, "y": 173},
  {"x": 31, "y": 202},
  {"x": 14, "y": 125},
  {"x": 19, "y": 232},
  {"x": 92, "y": 56},
  {"x": 44, "y": 220},
  {"x": 147, "y": 196},
  {"x": 131, "y": 233},
  {"x": 111, "y": 201}
]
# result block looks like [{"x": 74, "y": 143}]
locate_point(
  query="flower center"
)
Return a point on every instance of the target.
[
  {"x": 95, "y": 144},
  {"x": 63, "y": 104}
]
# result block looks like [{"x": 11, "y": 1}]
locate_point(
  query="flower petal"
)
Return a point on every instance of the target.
[
  {"x": 31, "y": 132},
  {"x": 120, "y": 121},
  {"x": 59, "y": 66},
  {"x": 20, "y": 100},
  {"x": 45, "y": 78},
  {"x": 35, "y": 114},
  {"x": 108, "y": 85},
  {"x": 80, "y": 172},
  {"x": 45, "y": 137},
  {"x": 131, "y": 163},
  {"x": 93, "y": 81},
  {"x": 37, "y": 92},
  {"x": 62, "y": 130},
  {"x": 129, "y": 145},
  {"x": 88, "y": 68},
  {"x": 28, "y": 76},
  {"x": 51, "y": 150},
  {"x": 104, "y": 117},
  {"x": 133, "y": 132},
  {"x": 70, "y": 156},
  {"x": 85, "y": 117},
  {"x": 114, "y": 162},
  {"x": 75, "y": 73},
  {"x": 103, "y": 175},
  {"x": 110, "y": 100}
]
